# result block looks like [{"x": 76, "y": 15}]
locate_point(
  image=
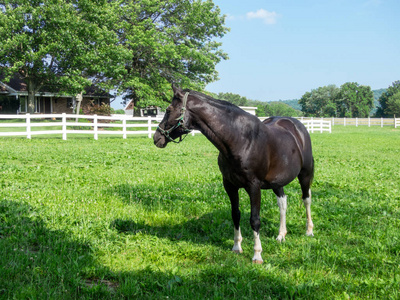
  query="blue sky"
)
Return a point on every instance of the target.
[{"x": 281, "y": 49}]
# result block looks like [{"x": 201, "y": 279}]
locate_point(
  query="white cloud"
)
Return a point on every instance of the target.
[
  {"x": 230, "y": 17},
  {"x": 265, "y": 15}
]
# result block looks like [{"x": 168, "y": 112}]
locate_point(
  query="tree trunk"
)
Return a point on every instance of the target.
[
  {"x": 31, "y": 96},
  {"x": 79, "y": 98}
]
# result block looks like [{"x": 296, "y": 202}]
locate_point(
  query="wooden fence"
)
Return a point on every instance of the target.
[
  {"x": 67, "y": 124},
  {"x": 318, "y": 125},
  {"x": 358, "y": 121}
]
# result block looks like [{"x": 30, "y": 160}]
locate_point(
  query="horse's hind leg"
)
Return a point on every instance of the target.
[
  {"x": 305, "y": 182},
  {"x": 233, "y": 193},
  {"x": 282, "y": 203},
  {"x": 307, "y": 204}
]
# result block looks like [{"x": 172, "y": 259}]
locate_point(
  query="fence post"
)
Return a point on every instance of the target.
[
  {"x": 381, "y": 122},
  {"x": 344, "y": 121},
  {"x": 356, "y": 122},
  {"x": 64, "y": 126},
  {"x": 149, "y": 126},
  {"x": 95, "y": 128},
  {"x": 28, "y": 126},
  {"x": 312, "y": 125},
  {"x": 124, "y": 127}
]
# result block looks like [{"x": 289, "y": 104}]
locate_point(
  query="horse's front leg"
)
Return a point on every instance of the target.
[
  {"x": 233, "y": 193},
  {"x": 255, "y": 200}
]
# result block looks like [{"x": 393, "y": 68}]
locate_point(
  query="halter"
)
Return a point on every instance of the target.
[{"x": 180, "y": 123}]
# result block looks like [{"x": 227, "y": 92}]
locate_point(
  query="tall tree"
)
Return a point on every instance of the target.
[
  {"x": 389, "y": 101},
  {"x": 170, "y": 42},
  {"x": 355, "y": 100},
  {"x": 61, "y": 44},
  {"x": 320, "y": 102}
]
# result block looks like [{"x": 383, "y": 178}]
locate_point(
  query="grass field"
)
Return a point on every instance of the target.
[{"x": 122, "y": 219}]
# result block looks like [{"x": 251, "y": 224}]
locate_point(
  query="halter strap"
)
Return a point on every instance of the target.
[
  {"x": 179, "y": 124},
  {"x": 183, "y": 109}
]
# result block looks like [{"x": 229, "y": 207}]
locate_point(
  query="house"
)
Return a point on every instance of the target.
[
  {"x": 14, "y": 99},
  {"x": 153, "y": 111}
]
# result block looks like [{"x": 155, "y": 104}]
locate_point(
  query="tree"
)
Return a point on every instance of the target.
[
  {"x": 350, "y": 100},
  {"x": 394, "y": 105},
  {"x": 355, "y": 100},
  {"x": 233, "y": 98},
  {"x": 170, "y": 42},
  {"x": 61, "y": 44},
  {"x": 389, "y": 101},
  {"x": 280, "y": 109},
  {"x": 320, "y": 102}
]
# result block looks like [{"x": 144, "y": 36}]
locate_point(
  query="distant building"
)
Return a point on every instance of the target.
[
  {"x": 14, "y": 99},
  {"x": 152, "y": 111},
  {"x": 249, "y": 109}
]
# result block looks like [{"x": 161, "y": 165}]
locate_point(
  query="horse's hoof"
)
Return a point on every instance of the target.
[
  {"x": 257, "y": 261},
  {"x": 280, "y": 238},
  {"x": 237, "y": 251},
  {"x": 309, "y": 234}
]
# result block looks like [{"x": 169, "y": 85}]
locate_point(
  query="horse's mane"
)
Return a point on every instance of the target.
[{"x": 220, "y": 103}]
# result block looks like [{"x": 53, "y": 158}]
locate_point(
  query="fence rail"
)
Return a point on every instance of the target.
[
  {"x": 358, "y": 121},
  {"x": 67, "y": 124},
  {"x": 318, "y": 125}
]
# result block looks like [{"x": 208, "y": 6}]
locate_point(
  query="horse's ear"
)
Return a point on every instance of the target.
[{"x": 178, "y": 93}]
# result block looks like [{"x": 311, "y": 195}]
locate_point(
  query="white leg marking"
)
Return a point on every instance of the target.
[
  {"x": 282, "y": 203},
  {"x": 310, "y": 225},
  {"x": 257, "y": 249},
  {"x": 237, "y": 248}
]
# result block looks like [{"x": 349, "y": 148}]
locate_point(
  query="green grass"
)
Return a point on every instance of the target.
[{"x": 122, "y": 219}]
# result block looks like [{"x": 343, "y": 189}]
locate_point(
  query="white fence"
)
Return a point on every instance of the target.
[
  {"x": 358, "y": 121},
  {"x": 66, "y": 124},
  {"x": 318, "y": 125},
  {"x": 396, "y": 123}
]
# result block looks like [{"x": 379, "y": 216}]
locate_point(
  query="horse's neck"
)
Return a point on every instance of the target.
[{"x": 212, "y": 119}]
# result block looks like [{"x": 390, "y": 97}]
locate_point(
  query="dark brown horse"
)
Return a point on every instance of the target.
[{"x": 254, "y": 155}]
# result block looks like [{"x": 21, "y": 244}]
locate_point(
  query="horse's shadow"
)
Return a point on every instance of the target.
[
  {"x": 214, "y": 228},
  {"x": 210, "y": 228}
]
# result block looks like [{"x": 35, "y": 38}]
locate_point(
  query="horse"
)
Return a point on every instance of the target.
[{"x": 253, "y": 155}]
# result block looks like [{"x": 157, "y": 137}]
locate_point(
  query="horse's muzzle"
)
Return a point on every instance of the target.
[{"x": 159, "y": 140}]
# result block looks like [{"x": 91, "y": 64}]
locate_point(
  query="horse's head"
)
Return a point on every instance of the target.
[{"x": 173, "y": 124}]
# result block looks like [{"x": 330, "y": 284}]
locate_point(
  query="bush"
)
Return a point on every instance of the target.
[{"x": 96, "y": 109}]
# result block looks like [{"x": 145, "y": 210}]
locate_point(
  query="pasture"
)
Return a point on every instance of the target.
[{"x": 117, "y": 219}]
